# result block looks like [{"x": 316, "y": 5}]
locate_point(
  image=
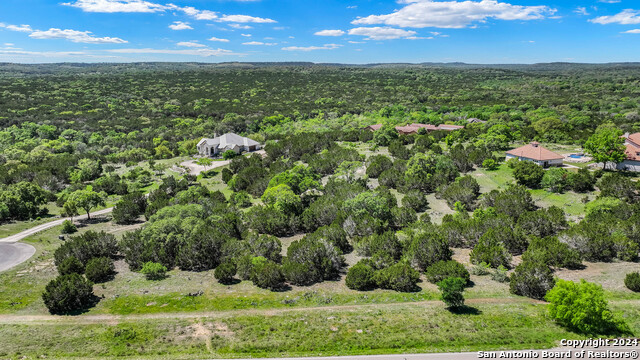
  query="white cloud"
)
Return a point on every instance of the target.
[
  {"x": 193, "y": 44},
  {"x": 246, "y": 35},
  {"x": 581, "y": 11},
  {"x": 454, "y": 14},
  {"x": 218, "y": 39},
  {"x": 43, "y": 53},
  {"x": 241, "y": 27},
  {"x": 634, "y": 31},
  {"x": 75, "y": 36},
  {"x": 19, "y": 28},
  {"x": 312, "y": 48},
  {"x": 115, "y": 6},
  {"x": 259, "y": 43},
  {"x": 245, "y": 19},
  {"x": 383, "y": 33},
  {"x": 330, "y": 33},
  {"x": 9, "y": 44},
  {"x": 179, "y": 25},
  {"x": 626, "y": 17},
  {"x": 193, "y": 52},
  {"x": 143, "y": 6},
  {"x": 609, "y": 1},
  {"x": 212, "y": 15}
]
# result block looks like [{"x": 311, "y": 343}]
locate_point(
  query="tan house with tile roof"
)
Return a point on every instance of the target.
[
  {"x": 632, "y": 152},
  {"x": 536, "y": 153}
]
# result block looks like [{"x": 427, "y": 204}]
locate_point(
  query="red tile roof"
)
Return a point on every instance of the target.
[
  {"x": 632, "y": 143},
  {"x": 426, "y": 126},
  {"x": 536, "y": 152},
  {"x": 374, "y": 127},
  {"x": 406, "y": 130}
]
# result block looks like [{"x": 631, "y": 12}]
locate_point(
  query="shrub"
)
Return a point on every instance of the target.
[
  {"x": 447, "y": 269},
  {"x": 451, "y": 291},
  {"x": 583, "y": 308},
  {"x": 532, "y": 279},
  {"x": 68, "y": 227},
  {"x": 625, "y": 248},
  {"x": 99, "y": 269},
  {"x": 317, "y": 260},
  {"x": 481, "y": 269},
  {"x": 528, "y": 174},
  {"x": 500, "y": 274},
  {"x": 416, "y": 200},
  {"x": 428, "y": 248},
  {"x": 87, "y": 246},
  {"x": 68, "y": 293},
  {"x": 489, "y": 164},
  {"x": 266, "y": 274},
  {"x": 70, "y": 265},
  {"x": 377, "y": 164},
  {"x": 229, "y": 154},
  {"x": 398, "y": 277},
  {"x": 227, "y": 175},
  {"x": 491, "y": 251},
  {"x": 240, "y": 199},
  {"x": 225, "y": 272},
  {"x": 154, "y": 271},
  {"x": 360, "y": 277},
  {"x": 632, "y": 281},
  {"x": 582, "y": 181},
  {"x": 552, "y": 252},
  {"x": 555, "y": 180},
  {"x": 129, "y": 208}
]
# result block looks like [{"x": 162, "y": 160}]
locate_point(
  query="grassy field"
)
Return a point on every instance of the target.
[
  {"x": 569, "y": 201},
  {"x": 391, "y": 328}
]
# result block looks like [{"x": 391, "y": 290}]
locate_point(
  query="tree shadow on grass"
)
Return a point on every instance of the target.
[{"x": 465, "y": 310}]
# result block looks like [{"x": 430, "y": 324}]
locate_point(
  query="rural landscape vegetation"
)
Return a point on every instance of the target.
[{"x": 335, "y": 238}]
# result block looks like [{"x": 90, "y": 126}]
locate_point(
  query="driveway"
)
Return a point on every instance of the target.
[
  {"x": 14, "y": 254},
  {"x": 195, "y": 169}
]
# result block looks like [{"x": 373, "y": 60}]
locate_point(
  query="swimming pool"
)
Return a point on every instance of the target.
[{"x": 576, "y": 156}]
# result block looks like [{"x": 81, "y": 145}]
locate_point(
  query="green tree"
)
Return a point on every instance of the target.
[
  {"x": 528, "y": 173},
  {"x": 154, "y": 271},
  {"x": 86, "y": 199},
  {"x": 491, "y": 250},
  {"x": 360, "y": 277},
  {"x": 283, "y": 198},
  {"x": 451, "y": 290},
  {"x": 606, "y": 145},
  {"x": 555, "y": 180},
  {"x": 68, "y": 293},
  {"x": 99, "y": 269},
  {"x": 583, "y": 308},
  {"x": 204, "y": 162},
  {"x": 225, "y": 272}
]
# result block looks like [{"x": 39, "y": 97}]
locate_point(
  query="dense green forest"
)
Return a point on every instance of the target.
[
  {"x": 327, "y": 209},
  {"x": 61, "y": 123}
]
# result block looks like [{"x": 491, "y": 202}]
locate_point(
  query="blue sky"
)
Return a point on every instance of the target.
[{"x": 472, "y": 31}]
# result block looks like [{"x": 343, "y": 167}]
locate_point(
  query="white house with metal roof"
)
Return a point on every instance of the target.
[{"x": 229, "y": 141}]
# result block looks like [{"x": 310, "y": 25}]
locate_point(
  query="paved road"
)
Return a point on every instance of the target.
[
  {"x": 14, "y": 254},
  {"x": 474, "y": 355},
  {"x": 36, "y": 229}
]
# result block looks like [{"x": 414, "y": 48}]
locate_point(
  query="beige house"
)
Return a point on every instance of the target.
[
  {"x": 632, "y": 152},
  {"x": 229, "y": 141},
  {"x": 536, "y": 153}
]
